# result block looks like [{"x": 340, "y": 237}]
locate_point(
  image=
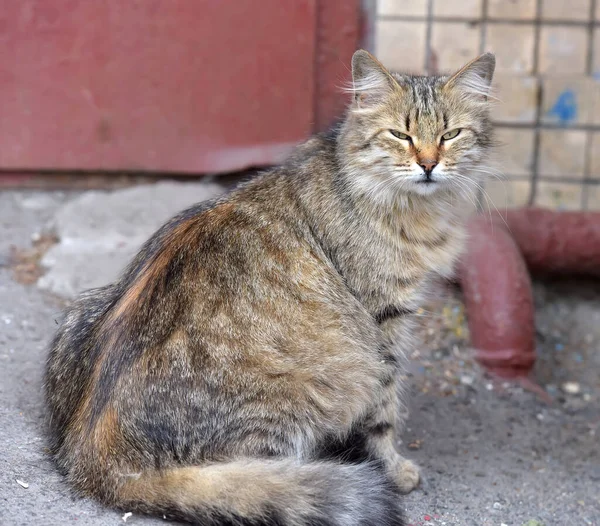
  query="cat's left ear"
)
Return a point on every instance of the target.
[
  {"x": 475, "y": 77},
  {"x": 372, "y": 83}
]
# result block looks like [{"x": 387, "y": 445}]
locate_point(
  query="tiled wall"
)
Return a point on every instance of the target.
[{"x": 547, "y": 82}]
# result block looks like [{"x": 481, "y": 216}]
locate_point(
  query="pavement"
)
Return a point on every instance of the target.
[{"x": 492, "y": 453}]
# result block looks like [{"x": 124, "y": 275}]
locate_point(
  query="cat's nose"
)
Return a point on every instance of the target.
[{"x": 428, "y": 166}]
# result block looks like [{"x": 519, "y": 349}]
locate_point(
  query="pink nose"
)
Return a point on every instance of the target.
[{"x": 428, "y": 166}]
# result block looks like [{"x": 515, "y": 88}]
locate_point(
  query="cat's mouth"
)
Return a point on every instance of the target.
[
  {"x": 427, "y": 179},
  {"x": 427, "y": 184}
]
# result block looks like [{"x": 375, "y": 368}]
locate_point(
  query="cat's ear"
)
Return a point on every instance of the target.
[
  {"x": 371, "y": 82},
  {"x": 475, "y": 78}
]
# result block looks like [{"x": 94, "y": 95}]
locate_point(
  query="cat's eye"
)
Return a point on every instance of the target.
[
  {"x": 400, "y": 135},
  {"x": 451, "y": 134}
]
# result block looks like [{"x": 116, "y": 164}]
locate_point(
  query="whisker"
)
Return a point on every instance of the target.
[{"x": 488, "y": 201}]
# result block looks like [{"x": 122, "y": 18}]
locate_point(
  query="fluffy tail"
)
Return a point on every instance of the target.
[{"x": 267, "y": 493}]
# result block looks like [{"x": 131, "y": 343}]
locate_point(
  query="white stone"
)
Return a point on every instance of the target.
[{"x": 100, "y": 231}]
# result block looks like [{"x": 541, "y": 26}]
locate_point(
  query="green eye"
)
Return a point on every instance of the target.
[
  {"x": 400, "y": 135},
  {"x": 451, "y": 134}
]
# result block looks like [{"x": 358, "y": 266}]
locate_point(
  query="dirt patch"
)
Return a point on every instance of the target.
[{"x": 25, "y": 262}]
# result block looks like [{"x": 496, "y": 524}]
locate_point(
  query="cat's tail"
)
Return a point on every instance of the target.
[{"x": 267, "y": 493}]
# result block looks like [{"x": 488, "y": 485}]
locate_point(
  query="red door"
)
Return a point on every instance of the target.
[{"x": 177, "y": 86}]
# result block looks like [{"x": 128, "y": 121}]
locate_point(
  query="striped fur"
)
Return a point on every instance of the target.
[{"x": 243, "y": 370}]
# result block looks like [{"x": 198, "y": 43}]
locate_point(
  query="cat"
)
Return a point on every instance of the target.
[{"x": 244, "y": 368}]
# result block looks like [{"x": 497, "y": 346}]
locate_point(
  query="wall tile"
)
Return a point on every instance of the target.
[
  {"x": 566, "y": 9},
  {"x": 563, "y": 49},
  {"x": 457, "y": 8},
  {"x": 453, "y": 44},
  {"x": 593, "y": 197},
  {"x": 595, "y": 156},
  {"x": 506, "y": 194},
  {"x": 594, "y": 101},
  {"x": 517, "y": 98},
  {"x": 596, "y": 53},
  {"x": 514, "y": 154},
  {"x": 559, "y": 196},
  {"x": 401, "y": 45},
  {"x": 512, "y": 9},
  {"x": 402, "y": 7},
  {"x": 567, "y": 100},
  {"x": 513, "y": 45},
  {"x": 562, "y": 153}
]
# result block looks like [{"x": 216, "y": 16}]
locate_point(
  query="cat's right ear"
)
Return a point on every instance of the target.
[
  {"x": 371, "y": 82},
  {"x": 474, "y": 79}
]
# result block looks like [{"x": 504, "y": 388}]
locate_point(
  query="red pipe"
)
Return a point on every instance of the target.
[
  {"x": 497, "y": 286},
  {"x": 557, "y": 242},
  {"x": 498, "y": 299}
]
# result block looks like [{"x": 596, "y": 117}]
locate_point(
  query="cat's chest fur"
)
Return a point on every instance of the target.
[{"x": 390, "y": 261}]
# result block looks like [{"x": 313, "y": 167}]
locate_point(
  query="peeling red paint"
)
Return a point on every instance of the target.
[
  {"x": 152, "y": 85},
  {"x": 338, "y": 36}
]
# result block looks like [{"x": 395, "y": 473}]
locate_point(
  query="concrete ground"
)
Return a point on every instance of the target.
[{"x": 491, "y": 453}]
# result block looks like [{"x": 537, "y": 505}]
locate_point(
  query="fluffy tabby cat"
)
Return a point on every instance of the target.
[{"x": 243, "y": 370}]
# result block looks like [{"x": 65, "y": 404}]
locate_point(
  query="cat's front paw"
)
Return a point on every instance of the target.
[{"x": 406, "y": 476}]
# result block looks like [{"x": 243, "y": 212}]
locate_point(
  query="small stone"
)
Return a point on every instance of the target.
[
  {"x": 571, "y": 388},
  {"x": 126, "y": 516},
  {"x": 533, "y": 522},
  {"x": 22, "y": 484},
  {"x": 465, "y": 379},
  {"x": 489, "y": 386},
  {"x": 497, "y": 506},
  {"x": 587, "y": 397},
  {"x": 415, "y": 444}
]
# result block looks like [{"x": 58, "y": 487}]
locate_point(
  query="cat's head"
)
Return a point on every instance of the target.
[{"x": 417, "y": 135}]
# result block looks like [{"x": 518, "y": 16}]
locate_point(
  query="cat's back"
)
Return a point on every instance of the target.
[
  {"x": 214, "y": 240},
  {"x": 83, "y": 335},
  {"x": 235, "y": 294}
]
